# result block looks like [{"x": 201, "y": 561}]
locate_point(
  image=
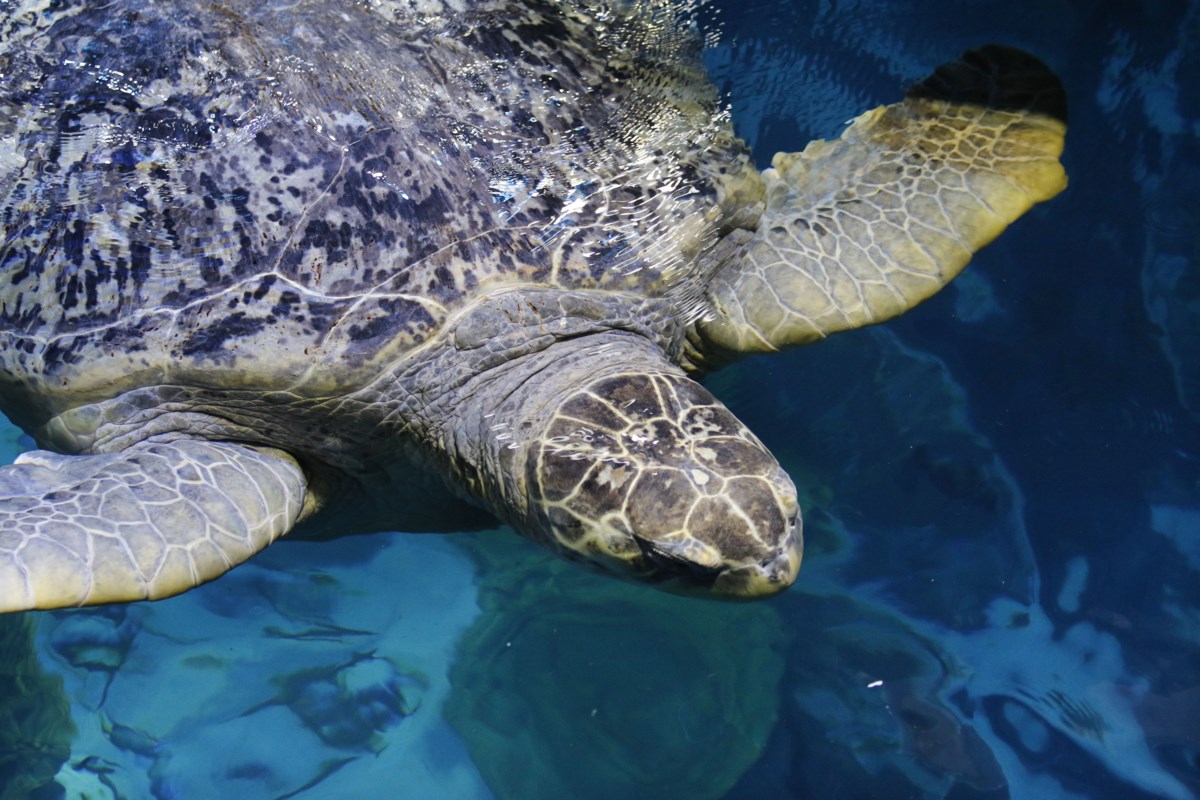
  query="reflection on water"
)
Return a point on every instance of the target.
[{"x": 1002, "y": 490}]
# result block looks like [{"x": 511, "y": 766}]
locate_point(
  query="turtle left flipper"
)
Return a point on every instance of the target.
[
  {"x": 145, "y": 523},
  {"x": 862, "y": 228}
]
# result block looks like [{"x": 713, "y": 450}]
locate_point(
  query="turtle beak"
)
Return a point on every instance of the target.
[{"x": 681, "y": 575}]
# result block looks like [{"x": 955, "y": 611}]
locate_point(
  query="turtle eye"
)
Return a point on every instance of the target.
[{"x": 669, "y": 565}]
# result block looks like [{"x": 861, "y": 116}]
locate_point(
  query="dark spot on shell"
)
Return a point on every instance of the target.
[{"x": 211, "y": 338}]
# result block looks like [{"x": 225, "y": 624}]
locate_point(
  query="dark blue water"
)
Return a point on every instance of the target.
[{"x": 1001, "y": 591}]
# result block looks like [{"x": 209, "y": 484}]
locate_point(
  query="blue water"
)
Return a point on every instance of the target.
[{"x": 1001, "y": 588}]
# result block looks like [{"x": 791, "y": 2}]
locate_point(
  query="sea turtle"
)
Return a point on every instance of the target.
[{"x": 351, "y": 266}]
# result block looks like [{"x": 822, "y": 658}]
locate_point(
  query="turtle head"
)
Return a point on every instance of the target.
[{"x": 649, "y": 475}]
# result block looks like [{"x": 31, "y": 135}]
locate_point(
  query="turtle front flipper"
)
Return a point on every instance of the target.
[
  {"x": 144, "y": 523},
  {"x": 862, "y": 228}
]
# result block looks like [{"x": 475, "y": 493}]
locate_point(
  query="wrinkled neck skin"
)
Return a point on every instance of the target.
[
  {"x": 579, "y": 428},
  {"x": 564, "y": 414},
  {"x": 507, "y": 364}
]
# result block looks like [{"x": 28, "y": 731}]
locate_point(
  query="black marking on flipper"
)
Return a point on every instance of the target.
[{"x": 999, "y": 77}]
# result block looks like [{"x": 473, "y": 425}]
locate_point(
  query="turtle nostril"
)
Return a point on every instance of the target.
[{"x": 777, "y": 570}]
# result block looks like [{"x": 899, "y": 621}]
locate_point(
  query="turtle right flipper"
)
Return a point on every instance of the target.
[
  {"x": 145, "y": 523},
  {"x": 862, "y": 228}
]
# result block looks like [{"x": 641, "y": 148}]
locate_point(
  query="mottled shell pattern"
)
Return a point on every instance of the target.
[{"x": 305, "y": 192}]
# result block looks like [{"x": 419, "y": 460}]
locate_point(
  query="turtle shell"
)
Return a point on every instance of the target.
[{"x": 294, "y": 196}]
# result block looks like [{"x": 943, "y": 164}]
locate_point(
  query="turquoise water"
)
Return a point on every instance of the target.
[{"x": 1000, "y": 596}]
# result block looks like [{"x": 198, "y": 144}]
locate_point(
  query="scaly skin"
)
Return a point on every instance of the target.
[
  {"x": 864, "y": 227},
  {"x": 144, "y": 523},
  {"x": 644, "y": 456}
]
